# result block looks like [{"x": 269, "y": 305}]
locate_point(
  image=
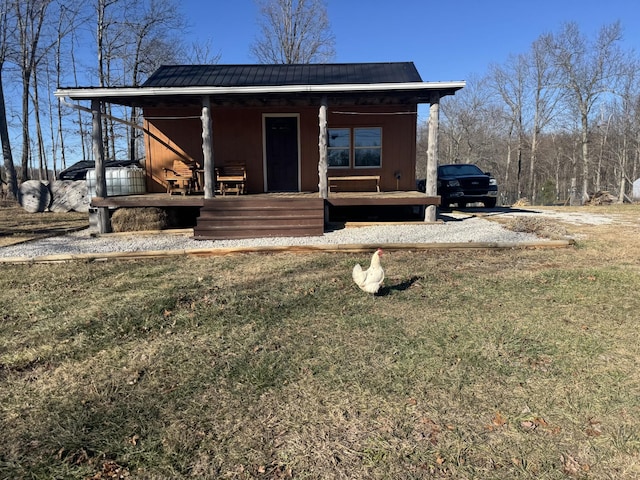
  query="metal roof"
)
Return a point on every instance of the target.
[
  {"x": 346, "y": 84},
  {"x": 280, "y": 75}
]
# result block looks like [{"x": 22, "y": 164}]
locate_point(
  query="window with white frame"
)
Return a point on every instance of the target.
[{"x": 355, "y": 147}]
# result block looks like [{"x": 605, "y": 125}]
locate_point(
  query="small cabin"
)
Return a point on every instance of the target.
[{"x": 291, "y": 128}]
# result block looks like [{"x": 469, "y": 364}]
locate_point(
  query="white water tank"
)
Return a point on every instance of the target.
[
  {"x": 120, "y": 181},
  {"x": 636, "y": 190}
]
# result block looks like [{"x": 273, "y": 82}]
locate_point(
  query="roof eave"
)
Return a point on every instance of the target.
[{"x": 91, "y": 93}]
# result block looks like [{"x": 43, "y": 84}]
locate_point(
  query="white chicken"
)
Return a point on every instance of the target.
[{"x": 369, "y": 280}]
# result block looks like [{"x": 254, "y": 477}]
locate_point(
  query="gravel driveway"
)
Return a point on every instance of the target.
[{"x": 454, "y": 228}]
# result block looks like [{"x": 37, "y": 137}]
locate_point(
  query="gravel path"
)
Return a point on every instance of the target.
[{"x": 462, "y": 230}]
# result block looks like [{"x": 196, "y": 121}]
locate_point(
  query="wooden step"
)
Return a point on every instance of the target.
[{"x": 244, "y": 217}]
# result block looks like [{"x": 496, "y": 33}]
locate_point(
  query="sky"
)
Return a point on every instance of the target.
[{"x": 446, "y": 39}]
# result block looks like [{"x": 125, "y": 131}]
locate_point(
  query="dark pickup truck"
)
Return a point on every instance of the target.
[{"x": 464, "y": 183}]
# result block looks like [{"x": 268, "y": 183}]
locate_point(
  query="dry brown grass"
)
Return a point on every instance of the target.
[
  {"x": 470, "y": 364},
  {"x": 18, "y": 225},
  {"x": 539, "y": 226}
]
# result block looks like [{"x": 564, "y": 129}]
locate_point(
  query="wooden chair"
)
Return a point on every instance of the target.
[
  {"x": 231, "y": 178},
  {"x": 181, "y": 178}
]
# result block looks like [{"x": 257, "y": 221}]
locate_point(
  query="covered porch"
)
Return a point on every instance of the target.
[{"x": 270, "y": 214}]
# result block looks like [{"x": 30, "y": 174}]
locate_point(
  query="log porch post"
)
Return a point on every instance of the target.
[
  {"x": 104, "y": 223},
  {"x": 432, "y": 156},
  {"x": 207, "y": 148},
  {"x": 323, "y": 187}
]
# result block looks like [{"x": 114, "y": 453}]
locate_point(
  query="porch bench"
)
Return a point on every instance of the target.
[
  {"x": 358, "y": 178},
  {"x": 231, "y": 178},
  {"x": 181, "y": 178}
]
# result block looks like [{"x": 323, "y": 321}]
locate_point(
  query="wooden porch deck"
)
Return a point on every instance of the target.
[
  {"x": 337, "y": 199},
  {"x": 267, "y": 214}
]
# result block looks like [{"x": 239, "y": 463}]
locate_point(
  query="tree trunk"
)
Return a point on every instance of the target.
[
  {"x": 585, "y": 158},
  {"x": 80, "y": 122},
  {"x": 26, "y": 140},
  {"x": 623, "y": 167},
  {"x": 532, "y": 166},
  {"x": 507, "y": 169},
  {"x": 42, "y": 157},
  {"x": 10, "y": 169}
]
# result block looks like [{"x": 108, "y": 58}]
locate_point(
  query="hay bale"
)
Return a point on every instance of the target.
[{"x": 138, "y": 219}]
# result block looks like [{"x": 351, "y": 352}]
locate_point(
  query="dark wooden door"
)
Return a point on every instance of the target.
[{"x": 281, "y": 140}]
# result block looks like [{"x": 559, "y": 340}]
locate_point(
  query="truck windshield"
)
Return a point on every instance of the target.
[{"x": 458, "y": 170}]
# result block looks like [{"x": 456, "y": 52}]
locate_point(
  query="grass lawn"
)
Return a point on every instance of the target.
[
  {"x": 469, "y": 364},
  {"x": 18, "y": 226}
]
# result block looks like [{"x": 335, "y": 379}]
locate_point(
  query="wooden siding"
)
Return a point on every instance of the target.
[{"x": 238, "y": 138}]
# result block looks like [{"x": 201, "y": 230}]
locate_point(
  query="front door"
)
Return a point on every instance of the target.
[{"x": 281, "y": 153}]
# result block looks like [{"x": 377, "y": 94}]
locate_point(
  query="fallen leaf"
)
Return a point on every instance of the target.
[
  {"x": 528, "y": 425},
  {"x": 593, "y": 432},
  {"x": 540, "y": 421},
  {"x": 570, "y": 465},
  {"x": 499, "y": 420}
]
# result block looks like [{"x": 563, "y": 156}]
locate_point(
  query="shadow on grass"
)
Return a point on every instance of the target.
[{"x": 399, "y": 287}]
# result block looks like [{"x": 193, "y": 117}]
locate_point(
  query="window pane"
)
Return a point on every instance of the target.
[
  {"x": 368, "y": 137},
  {"x": 368, "y": 157},
  {"x": 338, "y": 157},
  {"x": 339, "y": 137}
]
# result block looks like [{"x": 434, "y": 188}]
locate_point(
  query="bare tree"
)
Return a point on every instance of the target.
[
  {"x": 294, "y": 31},
  {"x": 201, "y": 52},
  {"x": 509, "y": 82},
  {"x": 30, "y": 18},
  {"x": 106, "y": 41},
  {"x": 10, "y": 170},
  {"x": 151, "y": 39},
  {"x": 67, "y": 25},
  {"x": 589, "y": 71},
  {"x": 545, "y": 97},
  {"x": 468, "y": 124},
  {"x": 623, "y": 120}
]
